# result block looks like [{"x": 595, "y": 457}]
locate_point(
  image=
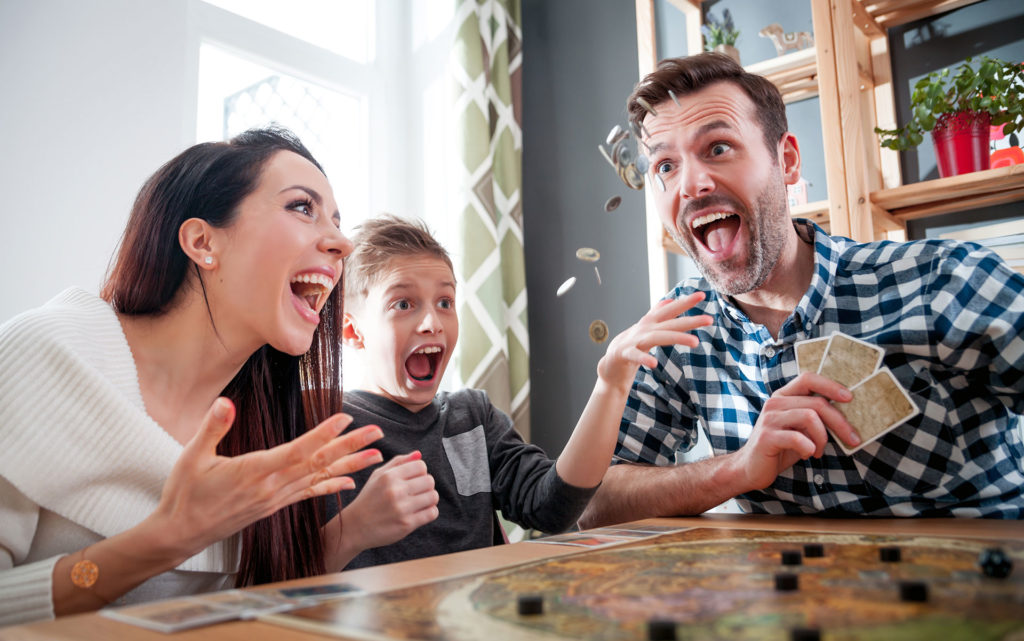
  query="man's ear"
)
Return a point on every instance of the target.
[
  {"x": 350, "y": 334},
  {"x": 196, "y": 238},
  {"x": 789, "y": 156}
]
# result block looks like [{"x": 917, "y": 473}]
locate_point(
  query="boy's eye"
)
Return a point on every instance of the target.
[
  {"x": 446, "y": 303},
  {"x": 720, "y": 148},
  {"x": 403, "y": 305}
]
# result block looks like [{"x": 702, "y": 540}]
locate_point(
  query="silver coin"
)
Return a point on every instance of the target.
[
  {"x": 598, "y": 331},
  {"x": 607, "y": 157},
  {"x": 642, "y": 163},
  {"x": 646, "y": 105},
  {"x": 588, "y": 254},
  {"x": 566, "y": 286},
  {"x": 622, "y": 154},
  {"x": 612, "y": 203},
  {"x": 672, "y": 95},
  {"x": 661, "y": 183},
  {"x": 598, "y": 274},
  {"x": 616, "y": 134}
]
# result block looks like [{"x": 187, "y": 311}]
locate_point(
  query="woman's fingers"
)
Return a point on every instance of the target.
[{"x": 215, "y": 425}]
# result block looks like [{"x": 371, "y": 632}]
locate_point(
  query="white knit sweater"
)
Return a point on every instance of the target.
[{"x": 80, "y": 460}]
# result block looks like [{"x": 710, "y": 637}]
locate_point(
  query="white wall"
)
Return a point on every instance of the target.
[{"x": 95, "y": 96}]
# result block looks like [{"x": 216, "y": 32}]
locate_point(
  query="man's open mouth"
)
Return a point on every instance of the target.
[
  {"x": 313, "y": 289},
  {"x": 716, "y": 230},
  {"x": 423, "y": 363}
]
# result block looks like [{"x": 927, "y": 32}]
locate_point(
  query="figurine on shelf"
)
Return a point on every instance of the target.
[
  {"x": 795, "y": 40},
  {"x": 721, "y": 35}
]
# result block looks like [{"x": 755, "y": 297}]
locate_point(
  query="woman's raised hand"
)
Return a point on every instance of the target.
[{"x": 208, "y": 497}]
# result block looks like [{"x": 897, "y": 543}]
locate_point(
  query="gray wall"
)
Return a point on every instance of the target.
[{"x": 579, "y": 64}]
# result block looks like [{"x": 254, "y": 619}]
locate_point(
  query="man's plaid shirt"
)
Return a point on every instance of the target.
[{"x": 950, "y": 316}]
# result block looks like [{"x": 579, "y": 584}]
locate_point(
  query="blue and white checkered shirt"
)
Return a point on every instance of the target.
[{"x": 950, "y": 316}]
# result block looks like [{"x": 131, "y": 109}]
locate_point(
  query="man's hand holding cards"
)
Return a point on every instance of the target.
[{"x": 879, "y": 402}]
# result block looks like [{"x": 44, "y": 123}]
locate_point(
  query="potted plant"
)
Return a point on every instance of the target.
[
  {"x": 958, "y": 108},
  {"x": 721, "y": 35}
]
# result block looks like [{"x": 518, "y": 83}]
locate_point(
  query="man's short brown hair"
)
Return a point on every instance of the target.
[
  {"x": 379, "y": 241},
  {"x": 692, "y": 73}
]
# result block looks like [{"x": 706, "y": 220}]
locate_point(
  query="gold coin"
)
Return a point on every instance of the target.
[
  {"x": 588, "y": 254},
  {"x": 598, "y": 331}
]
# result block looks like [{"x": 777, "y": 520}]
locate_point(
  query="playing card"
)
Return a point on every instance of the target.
[
  {"x": 171, "y": 615},
  {"x": 848, "y": 360},
  {"x": 809, "y": 353},
  {"x": 879, "y": 404}
]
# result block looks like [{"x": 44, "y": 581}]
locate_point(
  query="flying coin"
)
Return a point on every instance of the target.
[
  {"x": 661, "y": 183},
  {"x": 598, "y": 274},
  {"x": 598, "y": 331},
  {"x": 566, "y": 286},
  {"x": 642, "y": 163},
  {"x": 612, "y": 204},
  {"x": 588, "y": 254},
  {"x": 646, "y": 105}
]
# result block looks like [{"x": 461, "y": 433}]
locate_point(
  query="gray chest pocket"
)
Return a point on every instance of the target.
[{"x": 467, "y": 454}]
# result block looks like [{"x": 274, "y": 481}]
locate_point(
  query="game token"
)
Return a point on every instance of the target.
[
  {"x": 995, "y": 563},
  {"x": 805, "y": 634},
  {"x": 530, "y": 604},
  {"x": 792, "y": 557},
  {"x": 814, "y": 550},
  {"x": 612, "y": 203},
  {"x": 889, "y": 554},
  {"x": 588, "y": 254},
  {"x": 598, "y": 331},
  {"x": 913, "y": 591},
  {"x": 661, "y": 630},
  {"x": 566, "y": 286},
  {"x": 785, "y": 582}
]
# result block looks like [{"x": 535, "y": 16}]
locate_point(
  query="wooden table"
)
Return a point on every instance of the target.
[{"x": 398, "y": 575}]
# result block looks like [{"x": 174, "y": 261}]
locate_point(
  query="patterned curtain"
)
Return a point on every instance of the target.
[{"x": 487, "y": 60}]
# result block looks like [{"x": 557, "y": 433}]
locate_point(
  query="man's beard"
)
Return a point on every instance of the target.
[{"x": 767, "y": 226}]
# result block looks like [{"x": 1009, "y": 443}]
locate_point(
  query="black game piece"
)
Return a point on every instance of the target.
[
  {"x": 792, "y": 557},
  {"x": 530, "y": 604},
  {"x": 785, "y": 582},
  {"x": 661, "y": 630},
  {"x": 914, "y": 591},
  {"x": 805, "y": 634},
  {"x": 995, "y": 563},
  {"x": 890, "y": 554},
  {"x": 814, "y": 550}
]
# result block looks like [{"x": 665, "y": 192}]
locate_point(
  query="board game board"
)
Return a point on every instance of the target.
[{"x": 715, "y": 584}]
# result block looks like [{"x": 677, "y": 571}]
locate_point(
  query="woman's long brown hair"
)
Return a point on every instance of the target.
[{"x": 278, "y": 396}]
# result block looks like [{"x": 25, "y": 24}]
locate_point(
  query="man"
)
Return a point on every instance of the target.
[{"x": 948, "y": 315}]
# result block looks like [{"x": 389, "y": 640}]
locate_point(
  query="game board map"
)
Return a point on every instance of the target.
[{"x": 716, "y": 583}]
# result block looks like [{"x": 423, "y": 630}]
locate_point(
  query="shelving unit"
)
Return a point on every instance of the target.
[{"x": 850, "y": 71}]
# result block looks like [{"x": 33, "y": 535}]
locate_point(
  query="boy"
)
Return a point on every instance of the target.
[{"x": 453, "y": 458}]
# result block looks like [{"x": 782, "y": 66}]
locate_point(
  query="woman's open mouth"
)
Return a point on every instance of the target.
[
  {"x": 422, "y": 365},
  {"x": 312, "y": 290}
]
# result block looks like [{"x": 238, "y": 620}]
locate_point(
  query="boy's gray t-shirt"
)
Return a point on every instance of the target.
[{"x": 479, "y": 464}]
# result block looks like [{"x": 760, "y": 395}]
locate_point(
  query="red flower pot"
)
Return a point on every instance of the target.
[{"x": 961, "y": 142}]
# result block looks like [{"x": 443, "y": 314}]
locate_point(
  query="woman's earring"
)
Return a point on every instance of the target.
[{"x": 208, "y": 260}]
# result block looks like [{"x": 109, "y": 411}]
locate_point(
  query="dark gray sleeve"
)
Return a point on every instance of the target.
[{"x": 525, "y": 485}]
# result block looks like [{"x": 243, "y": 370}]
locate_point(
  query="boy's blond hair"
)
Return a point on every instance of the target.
[{"x": 378, "y": 241}]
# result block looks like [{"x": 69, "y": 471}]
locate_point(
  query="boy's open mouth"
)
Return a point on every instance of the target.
[
  {"x": 716, "y": 230},
  {"x": 313, "y": 289},
  {"x": 423, "y": 363}
]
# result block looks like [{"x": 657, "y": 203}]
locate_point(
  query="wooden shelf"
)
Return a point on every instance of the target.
[
  {"x": 956, "y": 193},
  {"x": 795, "y": 74},
  {"x": 873, "y": 17}
]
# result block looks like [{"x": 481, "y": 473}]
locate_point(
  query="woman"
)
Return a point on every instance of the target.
[{"x": 170, "y": 437}]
